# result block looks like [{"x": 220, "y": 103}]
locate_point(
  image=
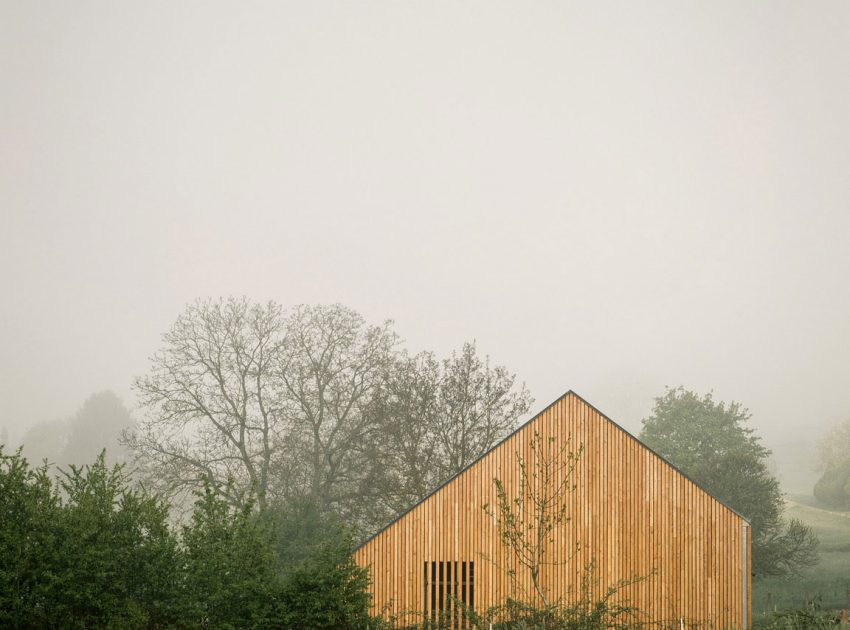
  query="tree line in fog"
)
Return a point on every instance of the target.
[
  {"x": 314, "y": 402},
  {"x": 316, "y": 406}
]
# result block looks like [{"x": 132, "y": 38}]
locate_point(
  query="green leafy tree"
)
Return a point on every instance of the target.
[
  {"x": 710, "y": 442},
  {"x": 45, "y": 441},
  {"x": 117, "y": 556},
  {"x": 102, "y": 556},
  {"x": 89, "y": 550},
  {"x": 303, "y": 531},
  {"x": 29, "y": 507},
  {"x": 97, "y": 426},
  {"x": 833, "y": 487},
  {"x": 287, "y": 567},
  {"x": 322, "y": 586},
  {"x": 326, "y": 592},
  {"x": 231, "y": 567}
]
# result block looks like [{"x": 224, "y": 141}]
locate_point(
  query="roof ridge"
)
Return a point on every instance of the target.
[
  {"x": 563, "y": 396},
  {"x": 661, "y": 457}
]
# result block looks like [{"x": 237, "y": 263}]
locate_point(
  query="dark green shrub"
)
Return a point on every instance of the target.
[
  {"x": 230, "y": 563},
  {"x": 833, "y": 488},
  {"x": 29, "y": 508},
  {"x": 305, "y": 532},
  {"x": 322, "y": 587},
  {"x": 326, "y": 593},
  {"x": 102, "y": 556},
  {"x": 89, "y": 551},
  {"x": 118, "y": 556}
]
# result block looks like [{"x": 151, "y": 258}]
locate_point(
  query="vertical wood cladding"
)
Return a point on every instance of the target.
[{"x": 631, "y": 514}]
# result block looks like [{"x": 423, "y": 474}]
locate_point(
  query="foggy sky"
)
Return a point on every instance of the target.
[{"x": 609, "y": 197}]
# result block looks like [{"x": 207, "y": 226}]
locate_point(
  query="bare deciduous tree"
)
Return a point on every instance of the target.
[
  {"x": 527, "y": 522},
  {"x": 478, "y": 407},
  {"x": 213, "y": 403},
  {"x": 406, "y": 408},
  {"x": 316, "y": 404},
  {"x": 331, "y": 365},
  {"x": 438, "y": 417}
]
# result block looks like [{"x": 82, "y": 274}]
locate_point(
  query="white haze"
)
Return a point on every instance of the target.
[{"x": 609, "y": 197}]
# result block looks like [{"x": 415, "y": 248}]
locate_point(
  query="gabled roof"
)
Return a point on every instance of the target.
[{"x": 523, "y": 426}]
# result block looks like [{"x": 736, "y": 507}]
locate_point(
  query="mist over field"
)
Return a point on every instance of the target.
[{"x": 608, "y": 198}]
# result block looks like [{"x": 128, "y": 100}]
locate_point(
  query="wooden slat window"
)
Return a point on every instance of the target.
[{"x": 445, "y": 582}]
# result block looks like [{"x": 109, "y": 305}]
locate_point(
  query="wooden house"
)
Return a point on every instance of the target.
[{"x": 631, "y": 514}]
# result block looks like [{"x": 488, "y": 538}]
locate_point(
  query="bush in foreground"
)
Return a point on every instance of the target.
[
  {"x": 90, "y": 550},
  {"x": 83, "y": 551}
]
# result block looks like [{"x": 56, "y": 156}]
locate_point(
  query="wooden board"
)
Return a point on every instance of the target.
[{"x": 632, "y": 514}]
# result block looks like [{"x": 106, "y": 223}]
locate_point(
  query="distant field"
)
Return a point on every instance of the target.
[{"x": 829, "y": 580}]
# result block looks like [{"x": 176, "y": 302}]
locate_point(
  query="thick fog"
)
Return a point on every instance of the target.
[{"x": 609, "y": 197}]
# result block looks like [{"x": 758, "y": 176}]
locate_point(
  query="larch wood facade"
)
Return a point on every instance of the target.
[{"x": 632, "y": 513}]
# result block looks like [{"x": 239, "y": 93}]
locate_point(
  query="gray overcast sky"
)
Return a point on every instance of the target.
[{"x": 610, "y": 197}]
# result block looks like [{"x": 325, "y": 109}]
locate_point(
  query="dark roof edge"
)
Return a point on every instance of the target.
[
  {"x": 458, "y": 474},
  {"x": 662, "y": 458},
  {"x": 520, "y": 428}
]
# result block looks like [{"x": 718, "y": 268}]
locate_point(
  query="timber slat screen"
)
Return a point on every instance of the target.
[{"x": 631, "y": 514}]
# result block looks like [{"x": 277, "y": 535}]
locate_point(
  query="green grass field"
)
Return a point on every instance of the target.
[{"x": 829, "y": 580}]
